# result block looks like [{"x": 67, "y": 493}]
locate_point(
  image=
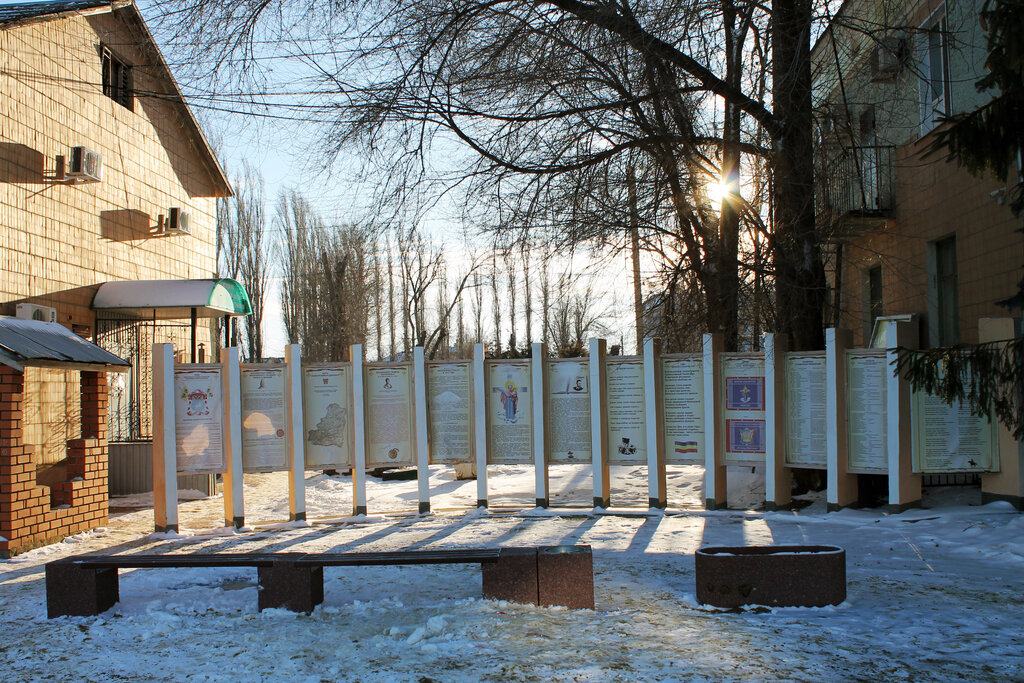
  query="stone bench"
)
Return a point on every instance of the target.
[
  {"x": 86, "y": 585},
  {"x": 778, "y": 576}
]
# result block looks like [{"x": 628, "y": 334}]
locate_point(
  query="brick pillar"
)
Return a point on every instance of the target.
[
  {"x": 17, "y": 473},
  {"x": 94, "y": 405}
]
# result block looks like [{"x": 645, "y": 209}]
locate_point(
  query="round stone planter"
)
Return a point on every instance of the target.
[{"x": 778, "y": 576}]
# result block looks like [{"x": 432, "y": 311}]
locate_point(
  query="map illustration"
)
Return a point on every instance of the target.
[{"x": 330, "y": 430}]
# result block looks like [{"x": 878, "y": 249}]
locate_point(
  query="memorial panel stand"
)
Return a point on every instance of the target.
[
  {"x": 655, "y": 436},
  {"x": 422, "y": 448},
  {"x": 841, "y": 489},
  {"x": 296, "y": 444},
  {"x": 540, "y": 449},
  {"x": 715, "y": 496},
  {"x": 234, "y": 503},
  {"x": 1008, "y": 483},
  {"x": 778, "y": 480},
  {"x": 904, "y": 486},
  {"x": 598, "y": 424},
  {"x": 480, "y": 423},
  {"x": 359, "y": 431}
]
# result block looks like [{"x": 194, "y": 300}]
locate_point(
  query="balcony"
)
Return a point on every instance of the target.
[{"x": 854, "y": 191}]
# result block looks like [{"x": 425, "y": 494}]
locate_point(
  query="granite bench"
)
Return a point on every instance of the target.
[{"x": 86, "y": 585}]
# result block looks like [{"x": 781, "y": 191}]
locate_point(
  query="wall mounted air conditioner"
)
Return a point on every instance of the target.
[
  {"x": 85, "y": 165},
  {"x": 178, "y": 222},
  {"x": 47, "y": 314}
]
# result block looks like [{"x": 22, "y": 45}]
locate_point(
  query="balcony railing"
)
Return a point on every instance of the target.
[{"x": 855, "y": 182}]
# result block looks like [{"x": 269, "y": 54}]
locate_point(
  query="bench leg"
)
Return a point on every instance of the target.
[
  {"x": 287, "y": 586},
  {"x": 74, "y": 591},
  {"x": 565, "y": 576},
  {"x": 513, "y": 577}
]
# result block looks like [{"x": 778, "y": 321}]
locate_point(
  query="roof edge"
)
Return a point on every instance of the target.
[{"x": 104, "y": 8}]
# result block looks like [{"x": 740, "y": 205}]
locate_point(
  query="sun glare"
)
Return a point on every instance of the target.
[{"x": 716, "y": 192}]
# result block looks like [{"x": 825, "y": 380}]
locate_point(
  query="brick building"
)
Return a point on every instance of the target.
[
  {"x": 105, "y": 176},
  {"x": 910, "y": 232}
]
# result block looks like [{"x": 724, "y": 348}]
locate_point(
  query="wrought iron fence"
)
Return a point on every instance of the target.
[{"x": 130, "y": 407}]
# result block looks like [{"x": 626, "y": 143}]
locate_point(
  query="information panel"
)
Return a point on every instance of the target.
[
  {"x": 450, "y": 412},
  {"x": 682, "y": 382},
  {"x": 509, "y": 413},
  {"x": 626, "y": 435},
  {"x": 389, "y": 416},
  {"x": 743, "y": 414},
  {"x": 199, "y": 420},
  {"x": 805, "y": 411},
  {"x": 866, "y": 418},
  {"x": 947, "y": 438},
  {"x": 264, "y": 422},
  {"x": 568, "y": 411},
  {"x": 326, "y": 410}
]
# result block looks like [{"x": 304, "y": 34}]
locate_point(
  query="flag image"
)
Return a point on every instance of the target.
[{"x": 686, "y": 446}]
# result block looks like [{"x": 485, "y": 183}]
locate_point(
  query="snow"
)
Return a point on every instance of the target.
[{"x": 934, "y": 594}]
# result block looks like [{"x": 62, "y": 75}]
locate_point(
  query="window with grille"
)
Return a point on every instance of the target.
[{"x": 117, "y": 80}]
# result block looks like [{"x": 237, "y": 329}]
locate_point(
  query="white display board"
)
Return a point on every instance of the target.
[
  {"x": 866, "y": 418},
  {"x": 326, "y": 410},
  {"x": 264, "y": 419},
  {"x": 509, "y": 412},
  {"x": 567, "y": 402},
  {"x": 450, "y": 411},
  {"x": 682, "y": 385},
  {"x": 198, "y": 419},
  {"x": 626, "y": 426},
  {"x": 805, "y": 410},
  {"x": 743, "y": 411},
  {"x": 389, "y": 415},
  {"x": 948, "y": 438}
]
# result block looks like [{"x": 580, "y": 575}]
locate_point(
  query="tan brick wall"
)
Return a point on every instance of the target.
[
  {"x": 934, "y": 200},
  {"x": 58, "y": 240}
]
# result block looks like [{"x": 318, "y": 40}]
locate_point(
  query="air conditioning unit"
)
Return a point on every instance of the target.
[
  {"x": 85, "y": 165},
  {"x": 47, "y": 314},
  {"x": 178, "y": 222},
  {"x": 886, "y": 58}
]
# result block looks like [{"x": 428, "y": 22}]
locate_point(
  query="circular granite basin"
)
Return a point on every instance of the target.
[{"x": 776, "y": 575}]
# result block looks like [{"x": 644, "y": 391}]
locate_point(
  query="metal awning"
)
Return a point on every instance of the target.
[
  {"x": 173, "y": 299},
  {"x": 33, "y": 343}
]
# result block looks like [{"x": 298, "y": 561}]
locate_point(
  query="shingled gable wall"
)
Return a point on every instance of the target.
[{"x": 31, "y": 515}]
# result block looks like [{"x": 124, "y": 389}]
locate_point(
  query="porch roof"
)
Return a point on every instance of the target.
[{"x": 34, "y": 343}]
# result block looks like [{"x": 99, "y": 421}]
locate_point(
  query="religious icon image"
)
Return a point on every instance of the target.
[
  {"x": 387, "y": 382},
  {"x": 509, "y": 400}
]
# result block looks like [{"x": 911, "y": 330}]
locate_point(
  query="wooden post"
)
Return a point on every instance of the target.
[
  {"x": 715, "y": 496},
  {"x": 359, "y": 432},
  {"x": 842, "y": 486},
  {"x": 657, "y": 496},
  {"x": 422, "y": 447},
  {"x": 540, "y": 460},
  {"x": 1008, "y": 483},
  {"x": 165, "y": 448},
  {"x": 598, "y": 424},
  {"x": 296, "y": 444},
  {"x": 231, "y": 377},
  {"x": 480, "y": 420},
  {"x": 904, "y": 486},
  {"x": 778, "y": 480}
]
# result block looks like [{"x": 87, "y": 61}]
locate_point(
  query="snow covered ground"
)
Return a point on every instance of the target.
[{"x": 934, "y": 594}]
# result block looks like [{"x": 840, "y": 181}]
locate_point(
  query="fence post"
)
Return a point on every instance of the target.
[
  {"x": 540, "y": 452},
  {"x": 598, "y": 424},
  {"x": 841, "y": 488},
  {"x": 714, "y": 446},
  {"x": 777, "y": 479},
  {"x": 904, "y": 486},
  {"x": 296, "y": 444},
  {"x": 234, "y": 503},
  {"x": 657, "y": 496},
  {"x": 165, "y": 447},
  {"x": 422, "y": 447},
  {"x": 480, "y": 420},
  {"x": 359, "y": 432}
]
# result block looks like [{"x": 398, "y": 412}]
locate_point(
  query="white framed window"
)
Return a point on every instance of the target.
[{"x": 933, "y": 65}]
